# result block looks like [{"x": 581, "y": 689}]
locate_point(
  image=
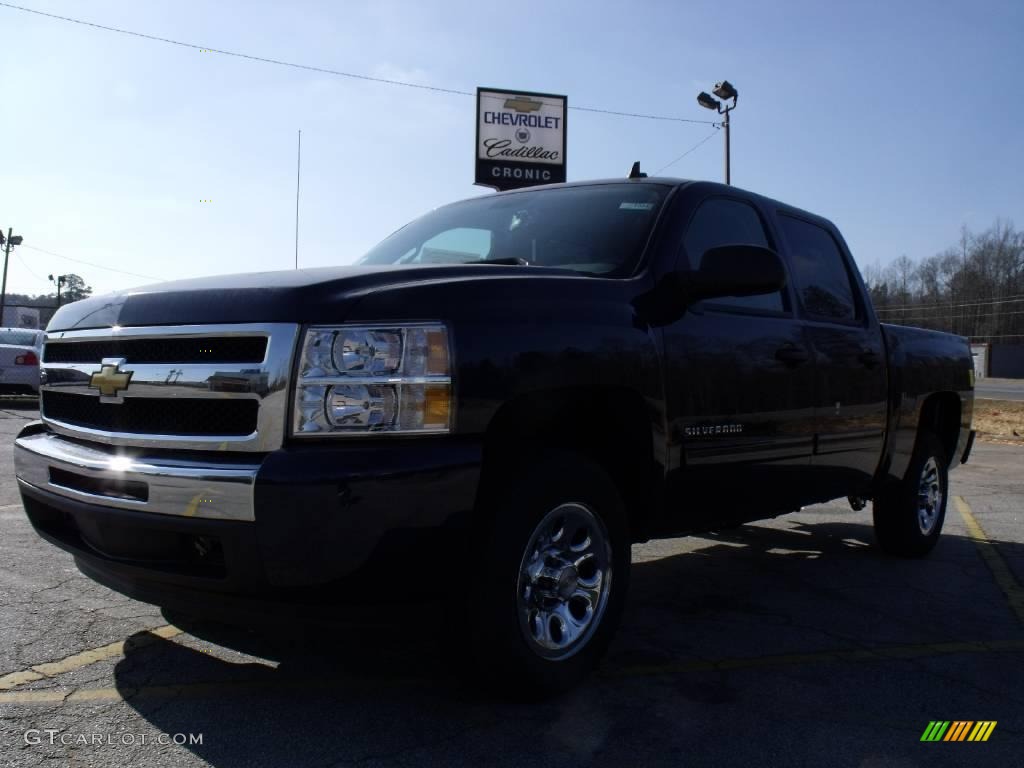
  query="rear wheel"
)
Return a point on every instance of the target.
[
  {"x": 909, "y": 515},
  {"x": 556, "y": 570}
]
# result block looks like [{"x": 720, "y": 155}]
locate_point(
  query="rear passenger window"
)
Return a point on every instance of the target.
[
  {"x": 720, "y": 221},
  {"x": 820, "y": 271}
]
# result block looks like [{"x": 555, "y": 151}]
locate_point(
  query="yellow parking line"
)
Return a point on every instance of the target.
[
  {"x": 14, "y": 679},
  {"x": 48, "y": 696},
  {"x": 993, "y": 559},
  {"x": 195, "y": 690},
  {"x": 82, "y": 659}
]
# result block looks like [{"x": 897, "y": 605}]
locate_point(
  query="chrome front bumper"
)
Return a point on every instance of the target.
[{"x": 141, "y": 482}]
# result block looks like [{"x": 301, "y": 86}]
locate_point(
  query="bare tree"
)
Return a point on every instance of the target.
[{"x": 975, "y": 288}]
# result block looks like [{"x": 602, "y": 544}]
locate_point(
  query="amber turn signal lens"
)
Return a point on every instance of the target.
[
  {"x": 437, "y": 406},
  {"x": 437, "y": 354}
]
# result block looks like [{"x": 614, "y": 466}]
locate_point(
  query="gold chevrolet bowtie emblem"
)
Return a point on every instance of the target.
[
  {"x": 109, "y": 380},
  {"x": 523, "y": 104}
]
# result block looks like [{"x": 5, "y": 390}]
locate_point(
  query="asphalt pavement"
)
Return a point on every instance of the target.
[
  {"x": 789, "y": 642},
  {"x": 999, "y": 389}
]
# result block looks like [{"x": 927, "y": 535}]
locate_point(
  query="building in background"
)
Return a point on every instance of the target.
[
  {"x": 20, "y": 317},
  {"x": 1006, "y": 361}
]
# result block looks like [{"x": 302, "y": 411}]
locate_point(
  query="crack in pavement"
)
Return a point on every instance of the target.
[{"x": 83, "y": 659}]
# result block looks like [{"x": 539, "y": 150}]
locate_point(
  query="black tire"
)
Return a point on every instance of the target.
[
  {"x": 507, "y": 656},
  {"x": 900, "y": 512}
]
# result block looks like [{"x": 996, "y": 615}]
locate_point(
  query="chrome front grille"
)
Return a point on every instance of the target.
[
  {"x": 218, "y": 387},
  {"x": 195, "y": 349}
]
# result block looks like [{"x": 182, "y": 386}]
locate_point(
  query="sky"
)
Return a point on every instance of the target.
[{"x": 900, "y": 121}]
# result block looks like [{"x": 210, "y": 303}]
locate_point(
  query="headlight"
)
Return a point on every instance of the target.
[{"x": 358, "y": 380}]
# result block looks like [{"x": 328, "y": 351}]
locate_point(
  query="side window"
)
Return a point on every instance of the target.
[
  {"x": 454, "y": 245},
  {"x": 720, "y": 221},
  {"x": 819, "y": 270}
]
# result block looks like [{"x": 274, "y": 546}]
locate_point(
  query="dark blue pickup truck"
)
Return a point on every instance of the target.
[{"x": 492, "y": 405}]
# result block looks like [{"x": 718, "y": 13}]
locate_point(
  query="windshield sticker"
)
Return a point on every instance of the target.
[{"x": 636, "y": 206}]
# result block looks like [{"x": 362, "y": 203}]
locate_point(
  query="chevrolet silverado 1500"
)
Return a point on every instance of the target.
[{"x": 494, "y": 404}]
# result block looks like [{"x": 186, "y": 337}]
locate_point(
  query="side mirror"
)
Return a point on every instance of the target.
[
  {"x": 736, "y": 270},
  {"x": 729, "y": 270}
]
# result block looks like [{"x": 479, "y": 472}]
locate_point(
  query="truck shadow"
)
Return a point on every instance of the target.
[{"x": 385, "y": 689}]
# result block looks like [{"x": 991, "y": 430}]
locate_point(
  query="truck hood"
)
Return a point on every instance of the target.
[{"x": 303, "y": 295}]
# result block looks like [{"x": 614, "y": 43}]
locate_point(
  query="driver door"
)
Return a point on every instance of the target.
[{"x": 740, "y": 385}]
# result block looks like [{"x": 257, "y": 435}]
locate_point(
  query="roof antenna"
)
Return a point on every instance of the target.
[{"x": 634, "y": 172}]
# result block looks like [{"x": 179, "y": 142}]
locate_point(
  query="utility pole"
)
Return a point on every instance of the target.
[
  {"x": 298, "y": 178},
  {"x": 725, "y": 91},
  {"x": 7, "y": 242},
  {"x": 725, "y": 124}
]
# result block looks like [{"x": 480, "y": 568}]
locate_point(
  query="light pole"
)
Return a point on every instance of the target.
[
  {"x": 726, "y": 92},
  {"x": 6, "y": 242},
  {"x": 59, "y": 280}
]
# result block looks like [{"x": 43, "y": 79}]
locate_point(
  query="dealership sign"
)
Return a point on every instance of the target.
[{"x": 520, "y": 138}]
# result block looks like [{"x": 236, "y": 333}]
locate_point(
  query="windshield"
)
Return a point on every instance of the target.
[{"x": 598, "y": 229}]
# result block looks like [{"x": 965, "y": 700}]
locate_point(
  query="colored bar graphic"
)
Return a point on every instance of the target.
[
  {"x": 982, "y": 730},
  {"x": 958, "y": 730},
  {"x": 935, "y": 730}
]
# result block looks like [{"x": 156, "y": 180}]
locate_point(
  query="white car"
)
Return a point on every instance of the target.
[{"x": 20, "y": 350}]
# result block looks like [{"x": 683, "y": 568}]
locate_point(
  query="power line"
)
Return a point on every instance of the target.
[
  {"x": 93, "y": 264},
  {"x": 325, "y": 70},
  {"x": 970, "y": 309},
  {"x": 953, "y": 315},
  {"x": 947, "y": 305},
  {"x": 1012, "y": 299},
  {"x": 691, "y": 149},
  {"x": 30, "y": 270},
  {"x": 640, "y": 115}
]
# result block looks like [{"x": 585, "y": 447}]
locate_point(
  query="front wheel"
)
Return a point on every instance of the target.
[
  {"x": 555, "y": 576},
  {"x": 909, "y": 515}
]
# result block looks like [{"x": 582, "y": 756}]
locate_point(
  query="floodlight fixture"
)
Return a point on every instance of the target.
[
  {"x": 725, "y": 90},
  {"x": 708, "y": 101}
]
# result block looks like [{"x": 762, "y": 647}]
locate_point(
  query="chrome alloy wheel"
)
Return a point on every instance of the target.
[
  {"x": 929, "y": 496},
  {"x": 565, "y": 578}
]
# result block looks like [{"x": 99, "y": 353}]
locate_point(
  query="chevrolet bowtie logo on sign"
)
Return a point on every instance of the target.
[
  {"x": 958, "y": 730},
  {"x": 520, "y": 138},
  {"x": 110, "y": 381},
  {"x": 523, "y": 104}
]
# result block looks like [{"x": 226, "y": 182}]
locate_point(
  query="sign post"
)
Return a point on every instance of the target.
[{"x": 520, "y": 138}]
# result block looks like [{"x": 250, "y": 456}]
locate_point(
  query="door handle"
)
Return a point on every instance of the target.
[
  {"x": 870, "y": 358},
  {"x": 792, "y": 355}
]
